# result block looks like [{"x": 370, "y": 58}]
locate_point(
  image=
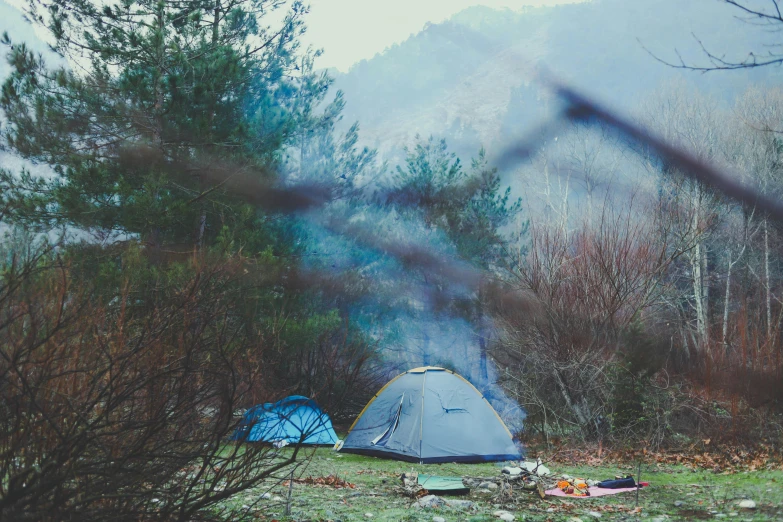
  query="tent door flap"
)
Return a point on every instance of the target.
[{"x": 384, "y": 437}]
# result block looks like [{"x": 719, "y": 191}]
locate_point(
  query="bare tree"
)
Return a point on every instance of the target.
[
  {"x": 759, "y": 112},
  {"x": 590, "y": 286},
  {"x": 767, "y": 15},
  {"x": 591, "y": 155},
  {"x": 694, "y": 122}
]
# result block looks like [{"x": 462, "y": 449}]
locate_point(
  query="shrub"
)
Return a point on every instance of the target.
[{"x": 121, "y": 410}]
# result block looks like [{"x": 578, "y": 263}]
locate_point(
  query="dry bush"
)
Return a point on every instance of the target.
[
  {"x": 121, "y": 411},
  {"x": 590, "y": 286},
  {"x": 340, "y": 370}
]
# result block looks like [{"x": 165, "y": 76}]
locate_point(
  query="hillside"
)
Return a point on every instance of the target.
[{"x": 465, "y": 79}]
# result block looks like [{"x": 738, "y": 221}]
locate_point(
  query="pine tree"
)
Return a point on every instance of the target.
[
  {"x": 468, "y": 207},
  {"x": 165, "y": 105}
]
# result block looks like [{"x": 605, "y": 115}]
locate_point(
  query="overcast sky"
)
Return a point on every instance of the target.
[{"x": 351, "y": 30}]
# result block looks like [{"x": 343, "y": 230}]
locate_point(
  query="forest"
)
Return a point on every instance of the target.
[{"x": 191, "y": 227}]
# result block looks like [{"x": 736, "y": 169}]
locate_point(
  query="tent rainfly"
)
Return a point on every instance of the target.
[
  {"x": 429, "y": 415},
  {"x": 295, "y": 419}
]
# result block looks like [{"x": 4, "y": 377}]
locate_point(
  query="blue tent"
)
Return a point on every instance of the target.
[{"x": 294, "y": 419}]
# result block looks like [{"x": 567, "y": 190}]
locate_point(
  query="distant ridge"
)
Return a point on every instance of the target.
[{"x": 445, "y": 81}]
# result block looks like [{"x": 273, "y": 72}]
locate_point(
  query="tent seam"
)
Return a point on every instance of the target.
[
  {"x": 488, "y": 403},
  {"x": 421, "y": 418}
]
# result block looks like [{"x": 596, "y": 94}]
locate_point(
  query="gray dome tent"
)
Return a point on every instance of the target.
[{"x": 428, "y": 415}]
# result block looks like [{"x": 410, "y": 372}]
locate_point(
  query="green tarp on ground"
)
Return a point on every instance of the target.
[{"x": 443, "y": 485}]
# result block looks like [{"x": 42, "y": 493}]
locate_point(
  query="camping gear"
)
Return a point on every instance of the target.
[
  {"x": 443, "y": 485},
  {"x": 594, "y": 491},
  {"x": 429, "y": 415},
  {"x": 293, "y": 420},
  {"x": 576, "y": 487},
  {"x": 627, "y": 482}
]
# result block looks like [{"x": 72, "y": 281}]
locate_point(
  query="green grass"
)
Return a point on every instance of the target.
[{"x": 704, "y": 494}]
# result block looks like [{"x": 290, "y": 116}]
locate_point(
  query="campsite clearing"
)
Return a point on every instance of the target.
[{"x": 675, "y": 493}]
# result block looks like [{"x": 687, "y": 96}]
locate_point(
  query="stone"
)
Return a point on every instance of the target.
[
  {"x": 460, "y": 504},
  {"x": 507, "y": 517},
  {"x": 574, "y": 519},
  {"x": 266, "y": 496},
  {"x": 747, "y": 504},
  {"x": 514, "y": 472},
  {"x": 733, "y": 514},
  {"x": 368, "y": 515},
  {"x": 536, "y": 467},
  {"x": 483, "y": 492},
  {"x": 430, "y": 501},
  {"x": 486, "y": 485},
  {"x": 720, "y": 515},
  {"x": 245, "y": 506},
  {"x": 594, "y": 514},
  {"x": 679, "y": 503},
  {"x": 277, "y": 499},
  {"x": 438, "y": 519},
  {"x": 492, "y": 486}
]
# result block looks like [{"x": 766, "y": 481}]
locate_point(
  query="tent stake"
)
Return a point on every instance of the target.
[
  {"x": 638, "y": 480},
  {"x": 290, "y": 492}
]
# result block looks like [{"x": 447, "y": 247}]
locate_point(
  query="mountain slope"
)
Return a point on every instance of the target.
[{"x": 466, "y": 79}]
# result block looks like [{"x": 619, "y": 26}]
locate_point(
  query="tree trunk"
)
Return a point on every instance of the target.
[
  {"x": 154, "y": 240},
  {"x": 580, "y": 411},
  {"x": 483, "y": 364},
  {"x": 727, "y": 296},
  {"x": 768, "y": 296},
  {"x": 699, "y": 295},
  {"x": 699, "y": 268},
  {"x": 425, "y": 357},
  {"x": 201, "y": 226},
  {"x": 482, "y": 334}
]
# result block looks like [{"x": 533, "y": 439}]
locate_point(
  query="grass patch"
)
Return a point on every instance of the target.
[{"x": 676, "y": 493}]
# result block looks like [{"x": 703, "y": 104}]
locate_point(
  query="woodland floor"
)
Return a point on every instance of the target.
[{"x": 676, "y": 492}]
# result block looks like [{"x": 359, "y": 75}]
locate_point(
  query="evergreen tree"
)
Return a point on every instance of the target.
[
  {"x": 166, "y": 104},
  {"x": 468, "y": 207}
]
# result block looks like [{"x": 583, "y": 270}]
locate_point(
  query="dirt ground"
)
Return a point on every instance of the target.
[{"x": 366, "y": 488}]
